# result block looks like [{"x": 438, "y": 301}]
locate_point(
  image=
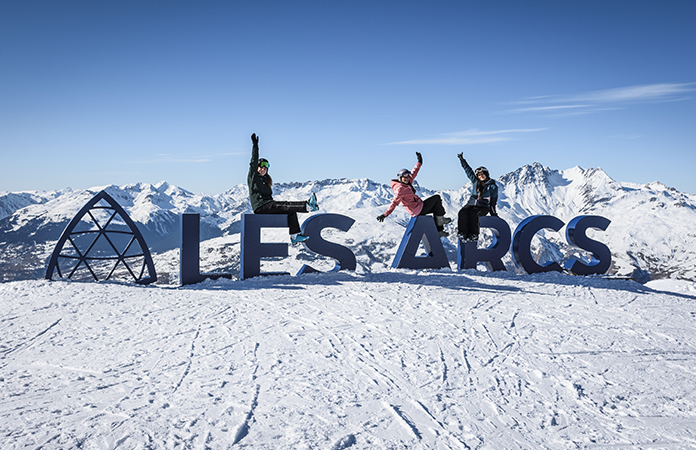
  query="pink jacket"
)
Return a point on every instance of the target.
[{"x": 406, "y": 195}]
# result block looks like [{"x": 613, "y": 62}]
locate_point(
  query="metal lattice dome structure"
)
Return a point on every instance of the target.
[{"x": 102, "y": 243}]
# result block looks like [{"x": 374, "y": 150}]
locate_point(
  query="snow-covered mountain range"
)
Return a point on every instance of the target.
[{"x": 650, "y": 235}]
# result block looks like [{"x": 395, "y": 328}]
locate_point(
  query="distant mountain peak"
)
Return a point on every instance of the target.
[{"x": 534, "y": 173}]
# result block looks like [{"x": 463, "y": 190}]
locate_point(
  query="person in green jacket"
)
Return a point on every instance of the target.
[{"x": 261, "y": 195}]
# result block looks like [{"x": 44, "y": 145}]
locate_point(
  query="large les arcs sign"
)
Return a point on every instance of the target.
[
  {"x": 132, "y": 253},
  {"x": 420, "y": 229}
]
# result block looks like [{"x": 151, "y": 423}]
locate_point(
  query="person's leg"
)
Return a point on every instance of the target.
[
  {"x": 289, "y": 208},
  {"x": 474, "y": 227},
  {"x": 428, "y": 205},
  {"x": 434, "y": 205},
  {"x": 472, "y": 222},
  {"x": 294, "y": 223},
  {"x": 438, "y": 209},
  {"x": 297, "y": 207},
  {"x": 463, "y": 221}
]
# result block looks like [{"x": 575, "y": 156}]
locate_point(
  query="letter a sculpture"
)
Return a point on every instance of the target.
[{"x": 103, "y": 240}]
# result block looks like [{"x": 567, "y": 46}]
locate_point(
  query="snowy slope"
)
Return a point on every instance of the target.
[
  {"x": 650, "y": 235},
  {"x": 394, "y": 360}
]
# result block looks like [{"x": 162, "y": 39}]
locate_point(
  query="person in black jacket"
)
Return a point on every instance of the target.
[
  {"x": 483, "y": 200},
  {"x": 261, "y": 195}
]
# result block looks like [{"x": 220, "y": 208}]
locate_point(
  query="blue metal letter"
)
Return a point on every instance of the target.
[
  {"x": 189, "y": 253},
  {"x": 522, "y": 241},
  {"x": 576, "y": 236},
  {"x": 421, "y": 228},
  {"x": 312, "y": 228},
  {"x": 253, "y": 250},
  {"x": 469, "y": 254}
]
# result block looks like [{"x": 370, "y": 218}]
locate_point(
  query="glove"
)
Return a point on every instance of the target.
[
  {"x": 381, "y": 218},
  {"x": 420, "y": 157},
  {"x": 254, "y": 139},
  {"x": 493, "y": 212}
]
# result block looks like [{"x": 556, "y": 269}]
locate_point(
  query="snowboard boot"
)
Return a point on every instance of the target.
[
  {"x": 442, "y": 220},
  {"x": 297, "y": 238},
  {"x": 312, "y": 204}
]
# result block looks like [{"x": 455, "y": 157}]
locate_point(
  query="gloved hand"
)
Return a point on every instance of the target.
[
  {"x": 254, "y": 139},
  {"x": 381, "y": 218},
  {"x": 420, "y": 157},
  {"x": 493, "y": 212}
]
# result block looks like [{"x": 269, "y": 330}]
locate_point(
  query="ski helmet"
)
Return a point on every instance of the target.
[
  {"x": 482, "y": 169},
  {"x": 263, "y": 162},
  {"x": 403, "y": 172}
]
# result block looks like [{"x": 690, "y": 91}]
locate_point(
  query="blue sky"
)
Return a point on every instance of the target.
[{"x": 95, "y": 93}]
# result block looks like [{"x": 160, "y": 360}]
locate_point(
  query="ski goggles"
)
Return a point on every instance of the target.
[
  {"x": 265, "y": 164},
  {"x": 403, "y": 173}
]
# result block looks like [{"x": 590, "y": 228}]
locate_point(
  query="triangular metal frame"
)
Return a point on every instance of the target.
[{"x": 119, "y": 257}]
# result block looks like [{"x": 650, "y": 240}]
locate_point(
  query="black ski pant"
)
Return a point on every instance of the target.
[
  {"x": 289, "y": 208},
  {"x": 433, "y": 205},
  {"x": 468, "y": 221}
]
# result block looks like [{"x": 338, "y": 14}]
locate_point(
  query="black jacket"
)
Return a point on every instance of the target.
[{"x": 260, "y": 192}]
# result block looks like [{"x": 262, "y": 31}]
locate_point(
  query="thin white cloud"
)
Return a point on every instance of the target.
[
  {"x": 603, "y": 100},
  {"x": 650, "y": 92},
  {"x": 450, "y": 141},
  {"x": 483, "y": 133},
  {"x": 551, "y": 108},
  {"x": 469, "y": 137}
]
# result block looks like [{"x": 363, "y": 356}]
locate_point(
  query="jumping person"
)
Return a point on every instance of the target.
[
  {"x": 405, "y": 193},
  {"x": 484, "y": 196},
  {"x": 261, "y": 195}
]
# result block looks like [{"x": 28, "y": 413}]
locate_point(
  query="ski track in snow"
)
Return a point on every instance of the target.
[{"x": 404, "y": 359}]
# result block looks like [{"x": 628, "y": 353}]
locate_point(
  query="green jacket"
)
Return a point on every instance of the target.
[{"x": 260, "y": 192}]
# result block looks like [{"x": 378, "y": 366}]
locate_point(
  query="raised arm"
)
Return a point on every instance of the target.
[
  {"x": 254, "y": 157},
  {"x": 467, "y": 168},
  {"x": 417, "y": 167}
]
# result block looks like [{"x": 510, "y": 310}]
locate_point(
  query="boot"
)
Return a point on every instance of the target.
[
  {"x": 297, "y": 238},
  {"x": 442, "y": 220},
  {"x": 312, "y": 204}
]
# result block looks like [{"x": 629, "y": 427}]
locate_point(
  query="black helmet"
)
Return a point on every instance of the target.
[
  {"x": 482, "y": 169},
  {"x": 263, "y": 162}
]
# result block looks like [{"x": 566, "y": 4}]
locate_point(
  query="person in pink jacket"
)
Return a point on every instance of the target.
[{"x": 405, "y": 194}]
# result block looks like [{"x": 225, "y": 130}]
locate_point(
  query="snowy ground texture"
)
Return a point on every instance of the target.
[{"x": 395, "y": 360}]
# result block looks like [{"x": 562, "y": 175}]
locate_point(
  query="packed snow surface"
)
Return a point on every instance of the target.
[{"x": 392, "y": 360}]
